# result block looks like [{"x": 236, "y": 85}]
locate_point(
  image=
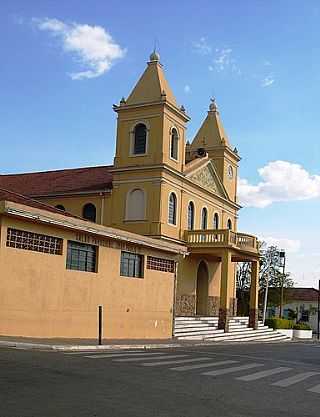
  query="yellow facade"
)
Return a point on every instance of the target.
[
  {"x": 40, "y": 297},
  {"x": 155, "y": 181}
]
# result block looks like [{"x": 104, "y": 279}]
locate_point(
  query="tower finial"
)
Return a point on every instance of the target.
[
  {"x": 213, "y": 105},
  {"x": 154, "y": 56}
]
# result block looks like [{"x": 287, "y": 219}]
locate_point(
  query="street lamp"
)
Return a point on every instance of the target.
[{"x": 282, "y": 263}]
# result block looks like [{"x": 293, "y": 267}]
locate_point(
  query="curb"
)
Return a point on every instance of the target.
[{"x": 41, "y": 346}]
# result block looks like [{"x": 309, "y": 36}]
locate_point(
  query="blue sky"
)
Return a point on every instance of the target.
[{"x": 64, "y": 63}]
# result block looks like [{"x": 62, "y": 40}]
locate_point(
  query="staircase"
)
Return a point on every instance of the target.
[{"x": 206, "y": 328}]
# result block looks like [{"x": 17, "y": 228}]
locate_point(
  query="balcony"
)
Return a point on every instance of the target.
[{"x": 221, "y": 238}]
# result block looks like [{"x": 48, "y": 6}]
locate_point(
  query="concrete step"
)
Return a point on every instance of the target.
[
  {"x": 196, "y": 332},
  {"x": 200, "y": 337},
  {"x": 248, "y": 336},
  {"x": 265, "y": 338}
]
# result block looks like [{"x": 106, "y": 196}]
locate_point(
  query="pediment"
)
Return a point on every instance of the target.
[{"x": 207, "y": 178}]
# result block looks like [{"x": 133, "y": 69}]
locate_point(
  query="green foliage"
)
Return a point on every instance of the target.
[
  {"x": 301, "y": 326},
  {"x": 292, "y": 315},
  {"x": 276, "y": 323}
]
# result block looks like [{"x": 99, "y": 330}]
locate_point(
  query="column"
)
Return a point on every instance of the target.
[
  {"x": 254, "y": 295},
  {"x": 226, "y": 281}
]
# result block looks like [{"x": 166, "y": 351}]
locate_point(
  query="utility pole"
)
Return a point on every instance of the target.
[
  {"x": 282, "y": 255},
  {"x": 319, "y": 310},
  {"x": 266, "y": 291}
]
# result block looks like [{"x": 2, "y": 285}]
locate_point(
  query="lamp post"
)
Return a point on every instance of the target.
[{"x": 282, "y": 259}]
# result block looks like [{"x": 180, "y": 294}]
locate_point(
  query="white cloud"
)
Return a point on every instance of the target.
[
  {"x": 223, "y": 59},
  {"x": 187, "y": 89},
  {"x": 289, "y": 245},
  {"x": 281, "y": 181},
  {"x": 92, "y": 46},
  {"x": 267, "y": 81},
  {"x": 202, "y": 46}
]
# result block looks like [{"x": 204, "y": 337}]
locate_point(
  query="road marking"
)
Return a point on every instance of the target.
[
  {"x": 232, "y": 369},
  {"x": 87, "y": 352},
  {"x": 294, "y": 379},
  {"x": 173, "y": 362},
  {"x": 149, "y": 357},
  {"x": 202, "y": 365},
  {"x": 316, "y": 389},
  {"x": 116, "y": 355},
  {"x": 263, "y": 374}
]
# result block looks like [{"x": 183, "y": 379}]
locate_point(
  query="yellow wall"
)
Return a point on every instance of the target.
[{"x": 39, "y": 297}]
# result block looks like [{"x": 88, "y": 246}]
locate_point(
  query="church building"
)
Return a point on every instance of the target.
[{"x": 166, "y": 211}]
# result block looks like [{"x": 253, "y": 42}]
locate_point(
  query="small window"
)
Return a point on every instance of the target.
[
  {"x": 60, "y": 207},
  {"x": 160, "y": 264},
  {"x": 229, "y": 224},
  {"x": 89, "y": 212},
  {"x": 172, "y": 215},
  {"x": 216, "y": 221},
  {"x": 81, "y": 257},
  {"x": 131, "y": 265},
  {"x": 174, "y": 144},
  {"x": 204, "y": 218},
  {"x": 190, "y": 216},
  {"x": 21, "y": 239},
  {"x": 140, "y": 139}
]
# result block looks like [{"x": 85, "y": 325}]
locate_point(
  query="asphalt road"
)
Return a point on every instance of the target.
[{"x": 268, "y": 380}]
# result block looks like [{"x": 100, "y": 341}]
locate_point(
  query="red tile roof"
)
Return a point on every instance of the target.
[
  {"x": 48, "y": 183},
  {"x": 301, "y": 294},
  {"x": 6, "y": 195}
]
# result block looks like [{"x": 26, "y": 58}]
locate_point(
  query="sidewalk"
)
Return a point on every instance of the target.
[{"x": 90, "y": 344}]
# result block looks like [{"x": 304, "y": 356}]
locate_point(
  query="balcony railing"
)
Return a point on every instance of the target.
[{"x": 221, "y": 238}]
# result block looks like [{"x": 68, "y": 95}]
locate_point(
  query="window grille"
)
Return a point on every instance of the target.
[
  {"x": 174, "y": 144},
  {"x": 131, "y": 265},
  {"x": 190, "y": 216},
  {"x": 172, "y": 217},
  {"x": 204, "y": 218},
  {"x": 21, "y": 239},
  {"x": 81, "y": 257},
  {"x": 140, "y": 139},
  {"x": 160, "y": 264}
]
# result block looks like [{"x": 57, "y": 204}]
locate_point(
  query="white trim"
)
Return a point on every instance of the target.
[
  {"x": 194, "y": 212},
  {"x": 204, "y": 207},
  {"x": 176, "y": 212},
  {"x": 170, "y": 143}
]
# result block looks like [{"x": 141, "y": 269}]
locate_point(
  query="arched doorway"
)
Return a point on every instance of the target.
[{"x": 202, "y": 290}]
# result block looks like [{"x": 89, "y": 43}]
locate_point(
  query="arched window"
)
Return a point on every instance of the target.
[
  {"x": 204, "y": 218},
  {"x": 190, "y": 216},
  {"x": 135, "y": 207},
  {"x": 216, "y": 221},
  {"x": 140, "y": 139},
  {"x": 172, "y": 214},
  {"x": 174, "y": 144},
  {"x": 229, "y": 224},
  {"x": 89, "y": 212},
  {"x": 60, "y": 207}
]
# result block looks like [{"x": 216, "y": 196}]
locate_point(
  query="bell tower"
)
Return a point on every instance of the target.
[
  {"x": 150, "y": 126},
  {"x": 212, "y": 138}
]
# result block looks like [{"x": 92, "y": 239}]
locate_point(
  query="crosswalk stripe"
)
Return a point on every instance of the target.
[
  {"x": 173, "y": 362},
  {"x": 148, "y": 358},
  {"x": 112, "y": 352},
  {"x": 316, "y": 389},
  {"x": 232, "y": 369},
  {"x": 263, "y": 374},
  {"x": 294, "y": 379},
  {"x": 117, "y": 355},
  {"x": 202, "y": 365}
]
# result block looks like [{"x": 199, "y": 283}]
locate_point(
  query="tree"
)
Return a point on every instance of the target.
[{"x": 269, "y": 274}]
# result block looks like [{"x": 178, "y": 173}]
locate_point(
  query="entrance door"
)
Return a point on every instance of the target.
[{"x": 202, "y": 290}]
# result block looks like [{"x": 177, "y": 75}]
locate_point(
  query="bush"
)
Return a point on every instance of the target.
[
  {"x": 301, "y": 326},
  {"x": 279, "y": 323}
]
